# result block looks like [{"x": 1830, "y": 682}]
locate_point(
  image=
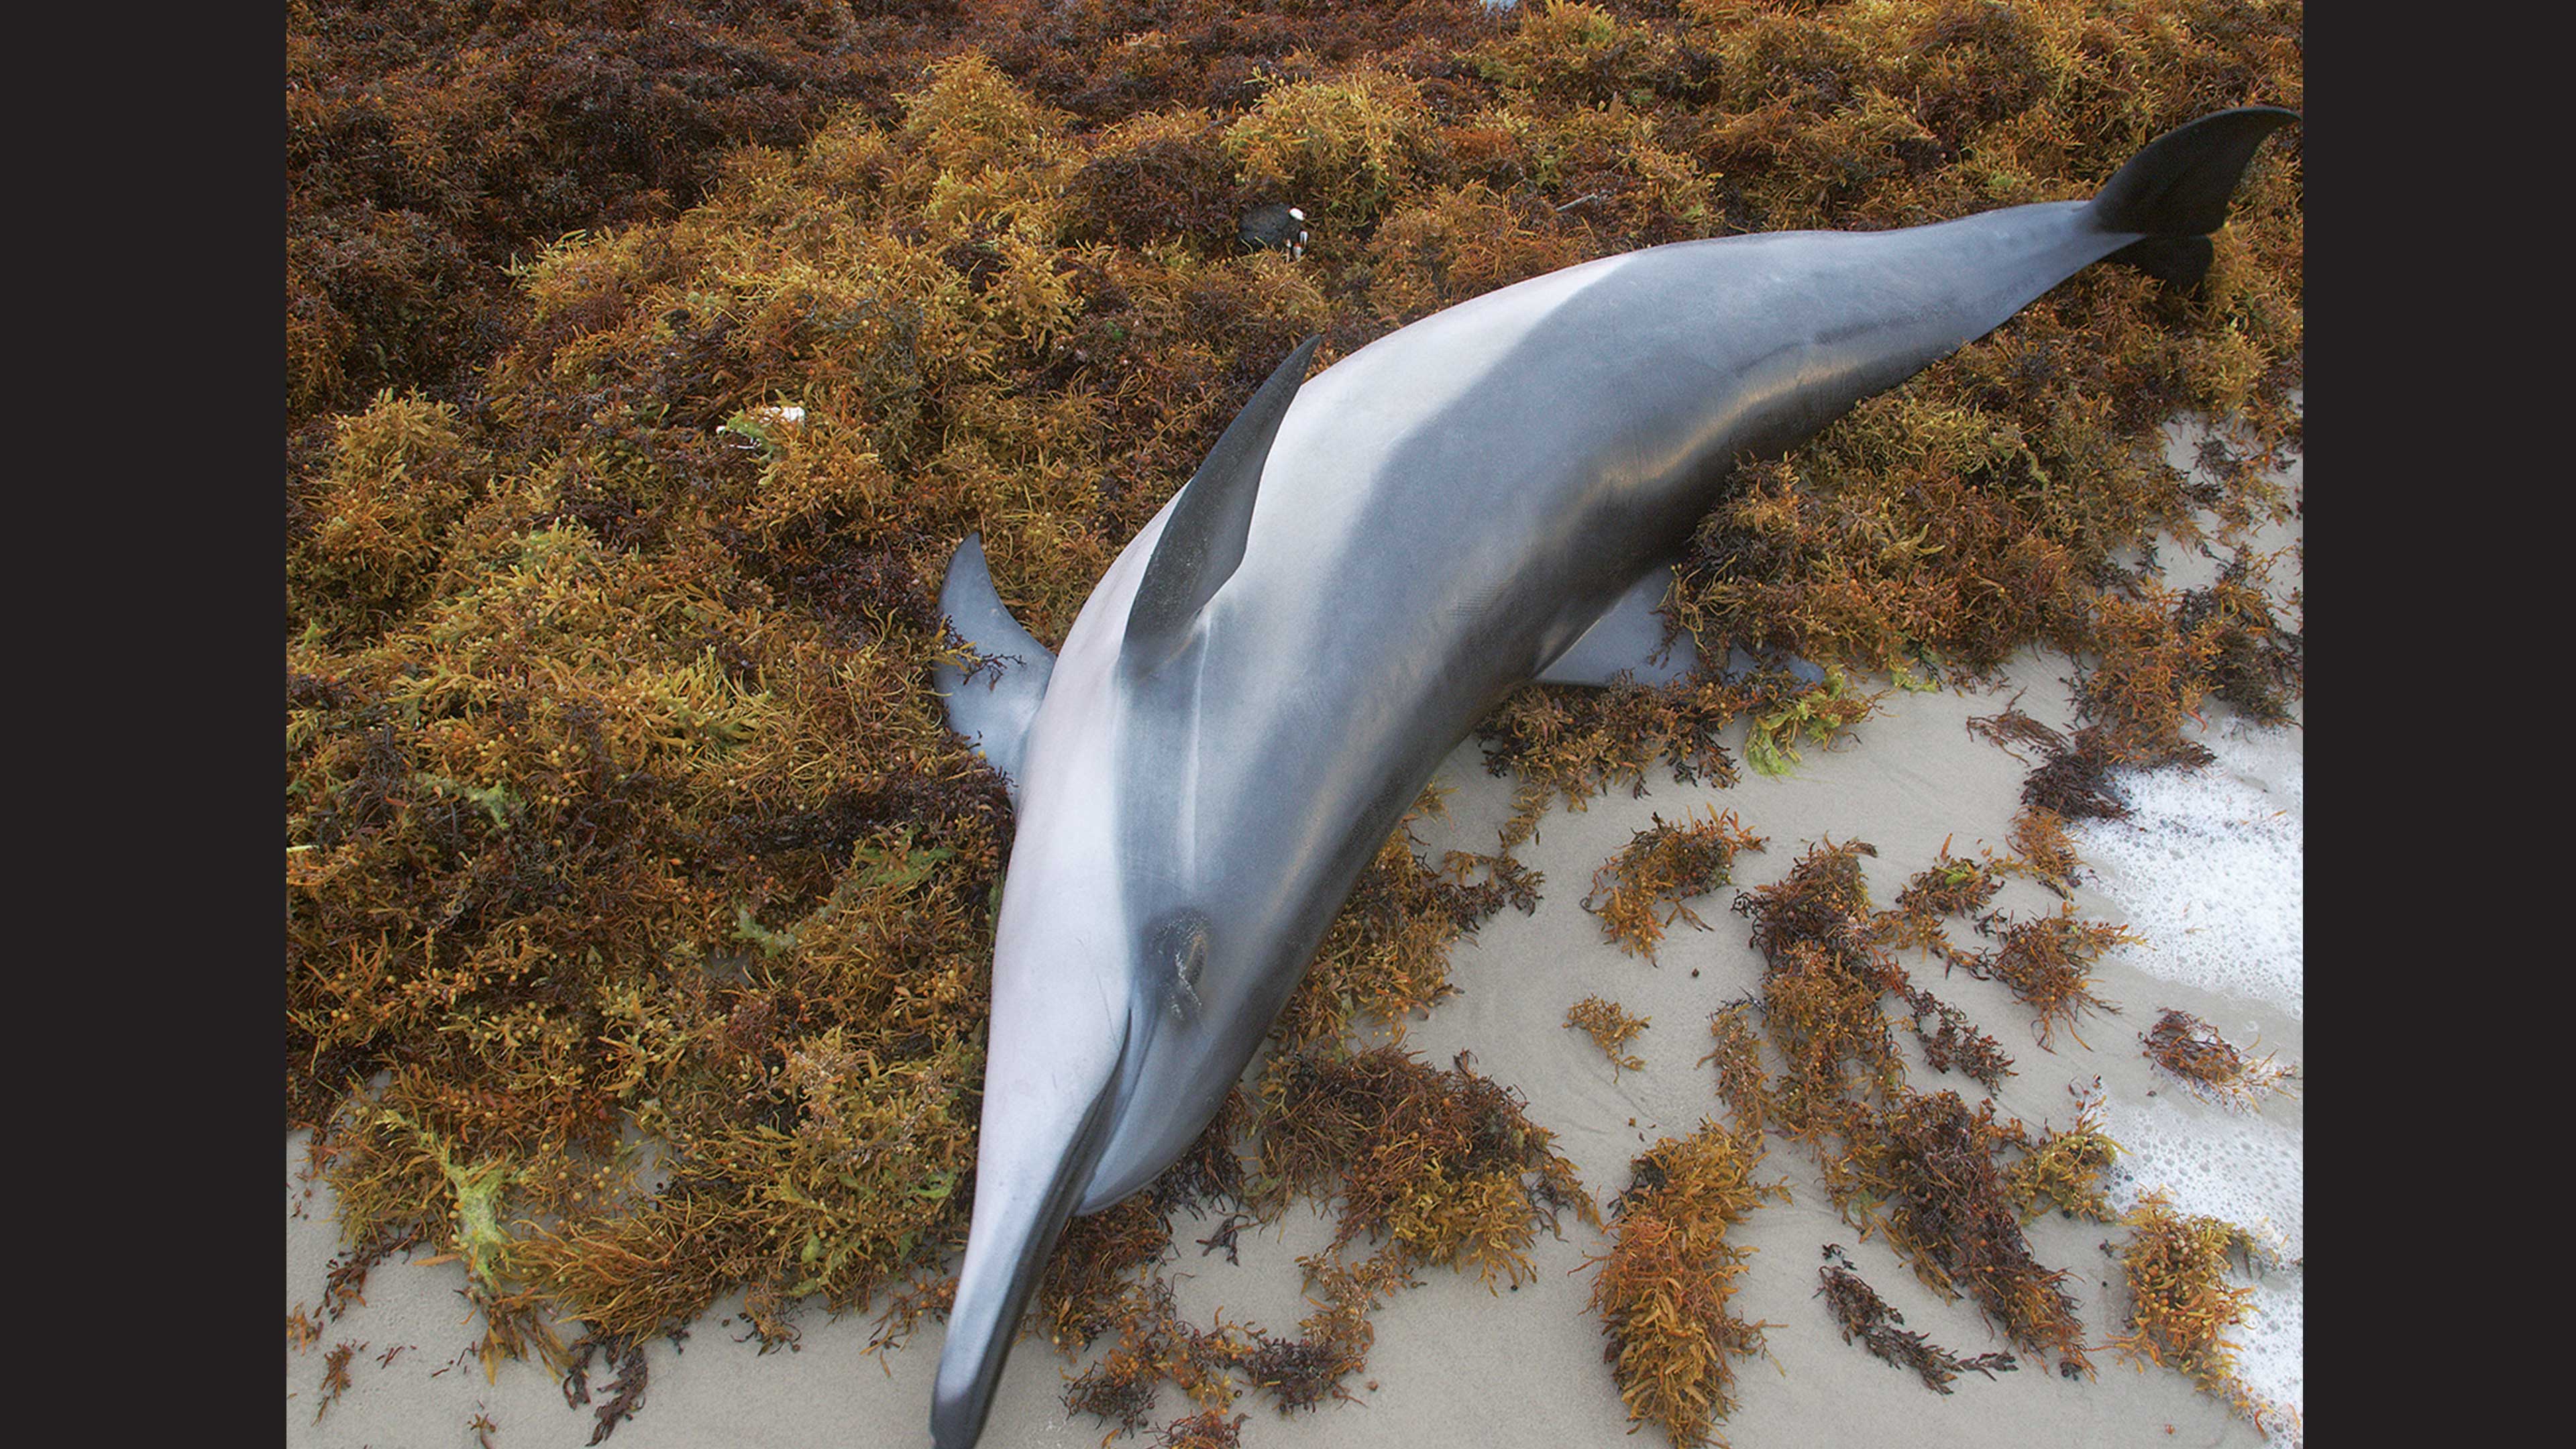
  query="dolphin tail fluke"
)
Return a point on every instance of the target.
[
  {"x": 2175, "y": 192},
  {"x": 1016, "y": 1224}
]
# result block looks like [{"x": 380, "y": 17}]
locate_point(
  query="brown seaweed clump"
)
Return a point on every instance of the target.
[
  {"x": 1822, "y": 980},
  {"x": 2161, "y": 655},
  {"x": 1429, "y": 1167},
  {"x": 2245, "y": 653},
  {"x": 2192, "y": 1050},
  {"x": 1609, "y": 1027},
  {"x": 1860, "y": 1313},
  {"x": 1206, "y": 1430},
  {"x": 2072, "y": 781},
  {"x": 1442, "y": 1167},
  {"x": 2155, "y": 659},
  {"x": 2182, "y": 1302},
  {"x": 1928, "y": 1169},
  {"x": 1664, "y": 1285},
  {"x": 1154, "y": 1345},
  {"x": 2042, "y": 850},
  {"x": 1954, "y": 1044},
  {"x": 1741, "y": 1083},
  {"x": 1950, "y": 886},
  {"x": 1564, "y": 744},
  {"x": 433, "y": 149},
  {"x": 1639, "y": 892},
  {"x": 1950, "y": 1184},
  {"x": 2064, "y": 1168},
  {"x": 2044, "y": 960}
]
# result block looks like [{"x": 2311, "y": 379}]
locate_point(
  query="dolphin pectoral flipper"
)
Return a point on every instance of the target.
[
  {"x": 1628, "y": 639},
  {"x": 1203, "y": 541},
  {"x": 993, "y": 711}
]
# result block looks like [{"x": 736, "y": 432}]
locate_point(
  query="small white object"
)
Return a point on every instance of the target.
[{"x": 761, "y": 419}]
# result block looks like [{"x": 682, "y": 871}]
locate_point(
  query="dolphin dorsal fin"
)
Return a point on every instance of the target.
[
  {"x": 1203, "y": 540},
  {"x": 992, "y": 709}
]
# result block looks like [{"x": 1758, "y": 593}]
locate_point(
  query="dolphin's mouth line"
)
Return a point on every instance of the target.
[{"x": 957, "y": 1415}]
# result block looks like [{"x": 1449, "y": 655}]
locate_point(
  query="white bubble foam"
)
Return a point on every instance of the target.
[
  {"x": 2208, "y": 869},
  {"x": 2241, "y": 1170},
  {"x": 2269, "y": 1362}
]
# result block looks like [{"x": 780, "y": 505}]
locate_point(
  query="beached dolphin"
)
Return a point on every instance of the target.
[{"x": 1366, "y": 564}]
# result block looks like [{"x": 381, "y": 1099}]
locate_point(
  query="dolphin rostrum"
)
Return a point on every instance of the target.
[{"x": 1365, "y": 565}]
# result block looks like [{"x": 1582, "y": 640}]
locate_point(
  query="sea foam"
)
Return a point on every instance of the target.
[
  {"x": 2240, "y": 1170},
  {"x": 2207, "y": 868}
]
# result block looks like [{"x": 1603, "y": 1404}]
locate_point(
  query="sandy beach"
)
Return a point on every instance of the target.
[{"x": 1458, "y": 1364}]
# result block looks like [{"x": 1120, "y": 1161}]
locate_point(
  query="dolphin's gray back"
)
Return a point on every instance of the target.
[
  {"x": 1589, "y": 446},
  {"x": 1445, "y": 511}
]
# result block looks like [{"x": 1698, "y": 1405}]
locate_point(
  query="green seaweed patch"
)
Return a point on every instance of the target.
[
  {"x": 1817, "y": 716},
  {"x": 2063, "y": 1168},
  {"x": 1663, "y": 1287}
]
